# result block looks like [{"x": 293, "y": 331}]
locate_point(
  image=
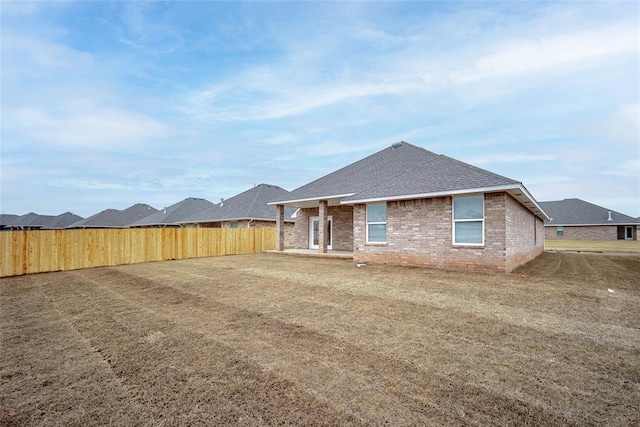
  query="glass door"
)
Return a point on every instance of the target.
[{"x": 314, "y": 232}]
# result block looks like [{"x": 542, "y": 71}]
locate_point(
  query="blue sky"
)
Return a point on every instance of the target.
[{"x": 107, "y": 104}]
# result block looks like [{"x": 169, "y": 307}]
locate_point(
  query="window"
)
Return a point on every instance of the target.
[
  {"x": 468, "y": 220},
  {"x": 559, "y": 231},
  {"x": 377, "y": 223},
  {"x": 234, "y": 224}
]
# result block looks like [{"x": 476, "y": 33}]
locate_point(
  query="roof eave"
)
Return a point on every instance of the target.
[
  {"x": 311, "y": 201},
  {"x": 523, "y": 197},
  {"x": 204, "y": 221}
]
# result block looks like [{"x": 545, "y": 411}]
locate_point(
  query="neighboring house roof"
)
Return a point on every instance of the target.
[
  {"x": 174, "y": 214},
  {"x": 250, "y": 205},
  {"x": 63, "y": 220},
  {"x": 31, "y": 219},
  {"x": 115, "y": 218},
  {"x": 34, "y": 220},
  {"x": 404, "y": 171},
  {"x": 579, "y": 212},
  {"x": 8, "y": 219}
]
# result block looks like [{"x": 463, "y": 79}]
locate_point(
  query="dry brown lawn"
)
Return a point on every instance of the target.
[
  {"x": 621, "y": 246},
  {"x": 269, "y": 339}
]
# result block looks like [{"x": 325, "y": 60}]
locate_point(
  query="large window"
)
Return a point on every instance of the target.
[
  {"x": 377, "y": 223},
  {"x": 468, "y": 220}
]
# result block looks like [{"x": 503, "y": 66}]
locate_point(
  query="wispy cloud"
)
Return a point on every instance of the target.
[
  {"x": 198, "y": 98},
  {"x": 273, "y": 95},
  {"x": 557, "y": 52}
]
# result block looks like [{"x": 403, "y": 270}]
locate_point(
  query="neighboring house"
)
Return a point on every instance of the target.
[
  {"x": 115, "y": 218},
  {"x": 406, "y": 205},
  {"x": 6, "y": 220},
  {"x": 247, "y": 210},
  {"x": 173, "y": 215},
  {"x": 575, "y": 219},
  {"x": 34, "y": 221}
]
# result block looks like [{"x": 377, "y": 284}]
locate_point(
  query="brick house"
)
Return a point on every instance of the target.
[
  {"x": 575, "y": 219},
  {"x": 408, "y": 206},
  {"x": 248, "y": 209}
]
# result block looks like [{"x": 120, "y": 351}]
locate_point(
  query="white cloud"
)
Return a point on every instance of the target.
[
  {"x": 95, "y": 127},
  {"x": 292, "y": 87},
  {"x": 553, "y": 52}
]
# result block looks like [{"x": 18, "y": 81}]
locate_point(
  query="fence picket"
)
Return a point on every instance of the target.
[{"x": 39, "y": 251}]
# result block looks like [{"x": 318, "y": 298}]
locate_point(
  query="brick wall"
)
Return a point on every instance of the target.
[
  {"x": 524, "y": 234},
  {"x": 596, "y": 232},
  {"x": 419, "y": 232},
  {"x": 342, "y": 217},
  {"x": 302, "y": 227}
]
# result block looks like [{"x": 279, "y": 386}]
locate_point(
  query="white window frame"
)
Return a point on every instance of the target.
[
  {"x": 368, "y": 223},
  {"x": 455, "y": 221}
]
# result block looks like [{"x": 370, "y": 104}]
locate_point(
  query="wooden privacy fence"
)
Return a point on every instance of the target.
[{"x": 25, "y": 252}]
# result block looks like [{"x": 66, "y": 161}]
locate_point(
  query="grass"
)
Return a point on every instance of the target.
[
  {"x": 624, "y": 246},
  {"x": 268, "y": 339}
]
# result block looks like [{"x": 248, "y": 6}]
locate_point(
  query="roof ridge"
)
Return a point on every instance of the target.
[
  {"x": 255, "y": 197},
  {"x": 394, "y": 146}
]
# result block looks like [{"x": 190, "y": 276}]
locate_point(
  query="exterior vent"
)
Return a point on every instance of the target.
[
  {"x": 609, "y": 219},
  {"x": 396, "y": 145}
]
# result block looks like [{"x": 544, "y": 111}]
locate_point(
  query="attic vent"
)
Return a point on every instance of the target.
[
  {"x": 396, "y": 145},
  {"x": 221, "y": 202},
  {"x": 609, "y": 219}
]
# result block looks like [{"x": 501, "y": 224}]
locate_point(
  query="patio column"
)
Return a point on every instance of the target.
[
  {"x": 322, "y": 231},
  {"x": 280, "y": 228}
]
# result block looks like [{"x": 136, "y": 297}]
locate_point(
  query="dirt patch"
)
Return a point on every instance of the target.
[{"x": 268, "y": 339}]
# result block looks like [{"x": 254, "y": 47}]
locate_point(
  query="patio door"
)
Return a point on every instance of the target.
[
  {"x": 628, "y": 235},
  {"x": 314, "y": 232}
]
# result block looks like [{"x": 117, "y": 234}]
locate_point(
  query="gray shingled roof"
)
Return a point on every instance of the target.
[
  {"x": 361, "y": 175},
  {"x": 250, "y": 204},
  {"x": 34, "y": 220},
  {"x": 438, "y": 174},
  {"x": 115, "y": 218},
  {"x": 579, "y": 212},
  {"x": 404, "y": 171},
  {"x": 174, "y": 214},
  {"x": 8, "y": 219},
  {"x": 63, "y": 220}
]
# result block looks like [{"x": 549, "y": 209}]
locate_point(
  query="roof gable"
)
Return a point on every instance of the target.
[
  {"x": 175, "y": 213},
  {"x": 63, "y": 220},
  {"x": 250, "y": 204},
  {"x": 113, "y": 218},
  {"x": 578, "y": 212},
  {"x": 364, "y": 173},
  {"x": 405, "y": 171}
]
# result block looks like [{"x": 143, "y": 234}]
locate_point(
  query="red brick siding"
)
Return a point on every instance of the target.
[
  {"x": 525, "y": 234},
  {"x": 342, "y": 217},
  {"x": 419, "y": 232},
  {"x": 587, "y": 232},
  {"x": 302, "y": 227}
]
